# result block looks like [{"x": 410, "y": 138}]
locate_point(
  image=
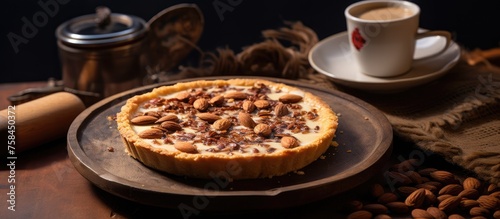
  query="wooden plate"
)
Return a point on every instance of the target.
[{"x": 364, "y": 136}]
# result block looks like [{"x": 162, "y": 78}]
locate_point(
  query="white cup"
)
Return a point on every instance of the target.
[{"x": 383, "y": 34}]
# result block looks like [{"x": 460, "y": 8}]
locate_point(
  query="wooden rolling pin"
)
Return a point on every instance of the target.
[{"x": 38, "y": 121}]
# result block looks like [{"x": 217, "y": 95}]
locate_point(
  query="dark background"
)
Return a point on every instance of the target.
[{"x": 474, "y": 24}]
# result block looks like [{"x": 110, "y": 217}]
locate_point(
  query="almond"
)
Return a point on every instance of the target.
[
  {"x": 443, "y": 176},
  {"x": 262, "y": 104},
  {"x": 289, "y": 142},
  {"x": 407, "y": 165},
  {"x": 426, "y": 171},
  {"x": 488, "y": 202},
  {"x": 416, "y": 198},
  {"x": 406, "y": 190},
  {"x": 237, "y": 95},
  {"x": 248, "y": 106},
  {"x": 361, "y": 214},
  {"x": 492, "y": 188},
  {"x": 246, "y": 120},
  {"x": 169, "y": 117},
  {"x": 452, "y": 189},
  {"x": 495, "y": 194},
  {"x": 183, "y": 96},
  {"x": 185, "y": 146},
  {"x": 479, "y": 211},
  {"x": 151, "y": 133},
  {"x": 450, "y": 204},
  {"x": 430, "y": 198},
  {"x": 427, "y": 186},
  {"x": 222, "y": 124},
  {"x": 436, "y": 213},
  {"x": 262, "y": 129},
  {"x": 290, "y": 98},
  {"x": 397, "y": 207},
  {"x": 280, "y": 110},
  {"x": 468, "y": 203},
  {"x": 152, "y": 113},
  {"x": 217, "y": 100},
  {"x": 496, "y": 214},
  {"x": 354, "y": 205},
  {"x": 209, "y": 117},
  {"x": 376, "y": 190},
  {"x": 382, "y": 216},
  {"x": 456, "y": 216},
  {"x": 443, "y": 197},
  {"x": 420, "y": 213},
  {"x": 201, "y": 104},
  {"x": 375, "y": 208},
  {"x": 414, "y": 176},
  {"x": 387, "y": 198},
  {"x": 143, "y": 120},
  {"x": 398, "y": 178},
  {"x": 171, "y": 126},
  {"x": 471, "y": 183},
  {"x": 469, "y": 193}
]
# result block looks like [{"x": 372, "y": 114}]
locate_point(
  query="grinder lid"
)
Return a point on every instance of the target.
[{"x": 101, "y": 29}]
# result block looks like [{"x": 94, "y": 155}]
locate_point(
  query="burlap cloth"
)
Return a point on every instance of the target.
[{"x": 456, "y": 116}]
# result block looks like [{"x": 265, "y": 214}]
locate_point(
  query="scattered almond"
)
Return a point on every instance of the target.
[
  {"x": 397, "y": 207},
  {"x": 398, "y": 178},
  {"x": 262, "y": 129},
  {"x": 387, "y": 198},
  {"x": 280, "y": 110},
  {"x": 416, "y": 198},
  {"x": 456, "y": 216},
  {"x": 217, "y": 100},
  {"x": 237, "y": 95},
  {"x": 209, "y": 117},
  {"x": 185, "y": 146},
  {"x": 361, "y": 214},
  {"x": 375, "y": 208},
  {"x": 183, "y": 96},
  {"x": 248, "y": 106},
  {"x": 246, "y": 120},
  {"x": 488, "y": 202},
  {"x": 452, "y": 189},
  {"x": 443, "y": 176},
  {"x": 406, "y": 190},
  {"x": 376, "y": 190},
  {"x": 262, "y": 104},
  {"x": 471, "y": 183},
  {"x": 496, "y": 214},
  {"x": 436, "y": 213},
  {"x": 469, "y": 193},
  {"x": 289, "y": 142},
  {"x": 290, "y": 98},
  {"x": 468, "y": 204},
  {"x": 201, "y": 104},
  {"x": 143, "y": 120},
  {"x": 169, "y": 117},
  {"x": 450, "y": 204},
  {"x": 151, "y": 134},
  {"x": 152, "y": 113},
  {"x": 222, "y": 124},
  {"x": 479, "y": 211},
  {"x": 420, "y": 213}
]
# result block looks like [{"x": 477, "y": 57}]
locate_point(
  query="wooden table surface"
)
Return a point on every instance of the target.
[{"x": 48, "y": 186}]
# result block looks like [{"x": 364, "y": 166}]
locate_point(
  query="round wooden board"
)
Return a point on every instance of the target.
[{"x": 364, "y": 136}]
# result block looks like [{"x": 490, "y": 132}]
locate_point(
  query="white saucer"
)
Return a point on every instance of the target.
[{"x": 332, "y": 58}]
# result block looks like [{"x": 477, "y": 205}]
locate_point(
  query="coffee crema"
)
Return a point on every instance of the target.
[{"x": 386, "y": 13}]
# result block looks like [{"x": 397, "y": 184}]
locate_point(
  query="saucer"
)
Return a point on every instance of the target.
[{"x": 332, "y": 57}]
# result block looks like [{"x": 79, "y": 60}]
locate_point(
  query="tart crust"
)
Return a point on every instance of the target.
[{"x": 228, "y": 165}]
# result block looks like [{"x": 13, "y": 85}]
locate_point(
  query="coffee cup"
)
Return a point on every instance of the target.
[{"x": 383, "y": 35}]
